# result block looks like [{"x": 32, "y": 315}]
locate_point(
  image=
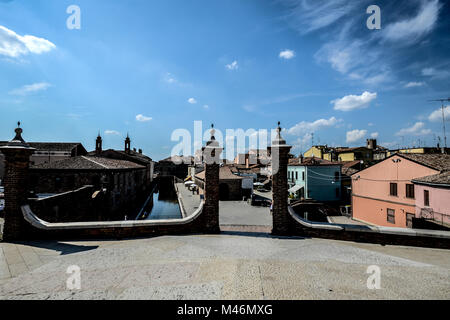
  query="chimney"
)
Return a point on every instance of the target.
[
  {"x": 98, "y": 145},
  {"x": 140, "y": 151},
  {"x": 127, "y": 144},
  {"x": 301, "y": 159},
  {"x": 134, "y": 149},
  {"x": 371, "y": 144}
]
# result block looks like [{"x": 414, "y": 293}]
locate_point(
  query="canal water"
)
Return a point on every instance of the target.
[{"x": 163, "y": 209}]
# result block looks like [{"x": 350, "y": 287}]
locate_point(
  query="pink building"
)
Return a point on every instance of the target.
[
  {"x": 433, "y": 198},
  {"x": 385, "y": 195}
]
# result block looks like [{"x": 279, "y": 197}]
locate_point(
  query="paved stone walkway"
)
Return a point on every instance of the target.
[
  {"x": 242, "y": 213},
  {"x": 224, "y": 267},
  {"x": 190, "y": 201}
]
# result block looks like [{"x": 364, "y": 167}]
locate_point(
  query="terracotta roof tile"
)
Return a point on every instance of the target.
[
  {"x": 88, "y": 163},
  {"x": 436, "y": 161},
  {"x": 442, "y": 178}
]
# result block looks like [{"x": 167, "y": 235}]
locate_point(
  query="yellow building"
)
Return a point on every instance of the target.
[
  {"x": 349, "y": 154},
  {"x": 316, "y": 151},
  {"x": 421, "y": 150}
]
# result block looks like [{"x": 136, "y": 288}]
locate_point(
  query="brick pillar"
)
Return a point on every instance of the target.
[
  {"x": 280, "y": 216},
  {"x": 211, "y": 159},
  {"x": 17, "y": 159}
]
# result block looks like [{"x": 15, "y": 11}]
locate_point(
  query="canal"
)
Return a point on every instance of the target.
[{"x": 162, "y": 208}]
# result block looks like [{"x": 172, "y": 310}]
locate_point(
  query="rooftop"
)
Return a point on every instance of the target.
[
  {"x": 441, "y": 179},
  {"x": 122, "y": 155},
  {"x": 225, "y": 173},
  {"x": 88, "y": 163},
  {"x": 51, "y": 146},
  {"x": 179, "y": 159},
  {"x": 437, "y": 161},
  {"x": 312, "y": 162}
]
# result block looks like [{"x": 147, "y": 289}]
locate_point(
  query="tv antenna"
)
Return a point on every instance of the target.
[{"x": 443, "y": 117}]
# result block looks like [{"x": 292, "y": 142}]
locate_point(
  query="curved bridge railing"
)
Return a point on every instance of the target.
[
  {"x": 374, "y": 234},
  {"x": 191, "y": 224}
]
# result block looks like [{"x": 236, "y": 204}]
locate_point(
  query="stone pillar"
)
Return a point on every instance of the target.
[
  {"x": 211, "y": 159},
  {"x": 279, "y": 152},
  {"x": 17, "y": 159}
]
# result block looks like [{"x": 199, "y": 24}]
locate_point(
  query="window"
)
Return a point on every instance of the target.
[
  {"x": 391, "y": 215},
  {"x": 303, "y": 175},
  {"x": 393, "y": 191},
  {"x": 296, "y": 175},
  {"x": 426, "y": 198},
  {"x": 336, "y": 176},
  {"x": 410, "y": 191}
]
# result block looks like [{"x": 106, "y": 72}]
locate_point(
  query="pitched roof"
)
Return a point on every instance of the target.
[
  {"x": 122, "y": 155},
  {"x": 52, "y": 146},
  {"x": 437, "y": 161},
  {"x": 312, "y": 161},
  {"x": 350, "y": 167},
  {"x": 183, "y": 159},
  {"x": 440, "y": 179},
  {"x": 345, "y": 149},
  {"x": 88, "y": 163},
  {"x": 225, "y": 173}
]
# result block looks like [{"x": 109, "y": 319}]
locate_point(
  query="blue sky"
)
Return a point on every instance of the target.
[{"x": 150, "y": 67}]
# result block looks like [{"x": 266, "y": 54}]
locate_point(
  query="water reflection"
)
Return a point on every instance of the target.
[{"x": 162, "y": 209}]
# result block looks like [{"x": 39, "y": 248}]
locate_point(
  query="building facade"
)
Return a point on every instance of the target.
[
  {"x": 46, "y": 152},
  {"x": 121, "y": 183},
  {"x": 384, "y": 193},
  {"x": 433, "y": 198},
  {"x": 314, "y": 178},
  {"x": 232, "y": 186}
]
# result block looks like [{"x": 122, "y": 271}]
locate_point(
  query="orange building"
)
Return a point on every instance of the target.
[{"x": 383, "y": 194}]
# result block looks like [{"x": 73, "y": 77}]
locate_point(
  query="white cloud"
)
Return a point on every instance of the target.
[
  {"x": 414, "y": 84},
  {"x": 374, "y": 135},
  {"x": 192, "y": 101},
  {"x": 287, "y": 54},
  {"x": 414, "y": 28},
  {"x": 30, "y": 89},
  {"x": 142, "y": 118},
  {"x": 418, "y": 129},
  {"x": 436, "y": 115},
  {"x": 356, "y": 135},
  {"x": 379, "y": 78},
  {"x": 169, "y": 78},
  {"x": 13, "y": 45},
  {"x": 433, "y": 73},
  {"x": 112, "y": 132},
  {"x": 308, "y": 127},
  {"x": 307, "y": 16},
  {"x": 232, "y": 66},
  {"x": 353, "y": 102}
]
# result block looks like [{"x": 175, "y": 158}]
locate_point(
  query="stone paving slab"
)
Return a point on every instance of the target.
[
  {"x": 234, "y": 267},
  {"x": 242, "y": 213},
  {"x": 190, "y": 201}
]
